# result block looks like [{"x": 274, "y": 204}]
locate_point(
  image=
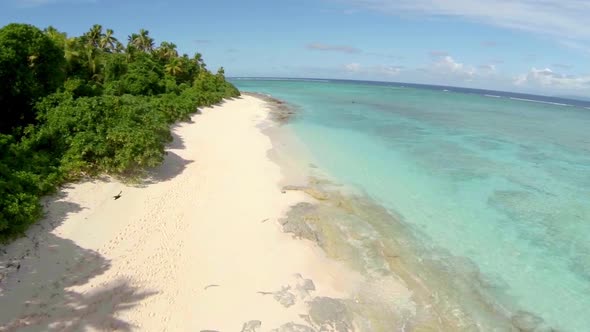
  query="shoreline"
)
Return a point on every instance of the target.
[
  {"x": 402, "y": 274},
  {"x": 196, "y": 247}
]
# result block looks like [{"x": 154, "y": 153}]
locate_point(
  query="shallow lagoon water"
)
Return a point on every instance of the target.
[{"x": 492, "y": 185}]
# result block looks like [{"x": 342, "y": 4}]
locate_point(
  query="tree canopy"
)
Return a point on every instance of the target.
[
  {"x": 31, "y": 66},
  {"x": 86, "y": 105}
]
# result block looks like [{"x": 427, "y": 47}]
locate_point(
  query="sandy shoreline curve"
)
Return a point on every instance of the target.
[{"x": 196, "y": 247}]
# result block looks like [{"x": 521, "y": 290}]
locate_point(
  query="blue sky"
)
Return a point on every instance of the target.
[{"x": 539, "y": 46}]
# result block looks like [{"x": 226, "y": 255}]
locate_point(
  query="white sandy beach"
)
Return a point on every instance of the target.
[{"x": 188, "y": 251}]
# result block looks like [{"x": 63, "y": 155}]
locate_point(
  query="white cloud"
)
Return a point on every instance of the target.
[
  {"x": 352, "y": 67},
  {"x": 562, "y": 18},
  {"x": 372, "y": 71},
  {"x": 447, "y": 65},
  {"x": 547, "y": 78},
  {"x": 446, "y": 70},
  {"x": 388, "y": 70}
]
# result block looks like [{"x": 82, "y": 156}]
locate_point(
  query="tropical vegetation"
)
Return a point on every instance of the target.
[{"x": 80, "y": 106}]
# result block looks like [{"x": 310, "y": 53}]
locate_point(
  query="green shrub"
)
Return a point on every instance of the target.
[{"x": 31, "y": 67}]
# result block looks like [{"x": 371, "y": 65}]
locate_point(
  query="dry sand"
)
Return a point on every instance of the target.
[{"x": 189, "y": 250}]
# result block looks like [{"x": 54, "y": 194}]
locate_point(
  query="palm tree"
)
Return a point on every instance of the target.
[
  {"x": 132, "y": 38},
  {"x": 130, "y": 51},
  {"x": 142, "y": 40},
  {"x": 108, "y": 42},
  {"x": 198, "y": 58},
  {"x": 220, "y": 72},
  {"x": 71, "y": 50},
  {"x": 119, "y": 47},
  {"x": 174, "y": 67},
  {"x": 94, "y": 35},
  {"x": 167, "y": 51},
  {"x": 93, "y": 61}
]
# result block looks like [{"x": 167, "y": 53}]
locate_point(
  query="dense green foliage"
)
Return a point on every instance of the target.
[
  {"x": 88, "y": 105},
  {"x": 30, "y": 67}
]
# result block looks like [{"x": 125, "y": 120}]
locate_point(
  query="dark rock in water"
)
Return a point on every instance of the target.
[
  {"x": 299, "y": 229},
  {"x": 313, "y": 192},
  {"x": 295, "y": 222},
  {"x": 292, "y": 327},
  {"x": 319, "y": 195},
  {"x": 251, "y": 326},
  {"x": 330, "y": 314},
  {"x": 280, "y": 111},
  {"x": 526, "y": 321},
  {"x": 291, "y": 187}
]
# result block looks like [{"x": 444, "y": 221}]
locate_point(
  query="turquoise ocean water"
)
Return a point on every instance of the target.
[{"x": 500, "y": 182}]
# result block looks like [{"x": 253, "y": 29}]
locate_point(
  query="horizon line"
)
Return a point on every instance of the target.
[{"x": 561, "y": 97}]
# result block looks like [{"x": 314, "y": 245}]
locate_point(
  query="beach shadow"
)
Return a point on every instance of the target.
[
  {"x": 79, "y": 312},
  {"x": 177, "y": 141},
  {"x": 39, "y": 274},
  {"x": 225, "y": 100},
  {"x": 172, "y": 166}
]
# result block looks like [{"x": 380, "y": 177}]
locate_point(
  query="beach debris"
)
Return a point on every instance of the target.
[
  {"x": 292, "y": 327},
  {"x": 304, "y": 287},
  {"x": 251, "y": 326},
  {"x": 209, "y": 286},
  {"x": 265, "y": 220},
  {"x": 307, "y": 285},
  {"x": 208, "y": 331},
  {"x": 117, "y": 196},
  {"x": 284, "y": 297}
]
